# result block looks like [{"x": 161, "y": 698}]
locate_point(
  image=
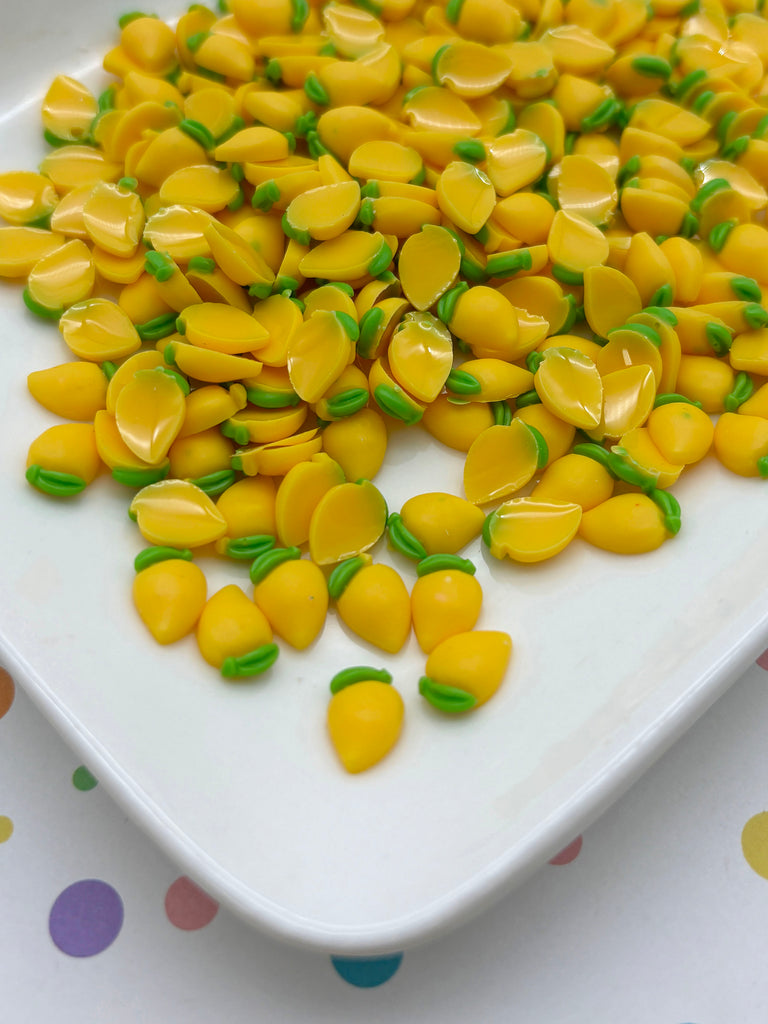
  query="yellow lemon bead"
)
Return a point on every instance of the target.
[
  {"x": 443, "y": 523},
  {"x": 294, "y": 598},
  {"x": 170, "y": 596},
  {"x": 457, "y": 426},
  {"x": 178, "y": 231},
  {"x": 587, "y": 189},
  {"x": 610, "y": 299},
  {"x": 75, "y": 391},
  {"x": 420, "y": 355},
  {"x": 639, "y": 445},
  {"x": 248, "y": 507},
  {"x": 682, "y": 432},
  {"x": 323, "y": 213},
  {"x": 569, "y": 385},
  {"x": 348, "y": 257},
  {"x": 319, "y": 351},
  {"x": 199, "y": 455},
  {"x": 208, "y": 365},
  {"x": 576, "y": 479},
  {"x": 466, "y": 196},
  {"x": 150, "y": 43},
  {"x": 532, "y": 529},
  {"x": 206, "y": 187},
  {"x": 277, "y": 457},
  {"x": 376, "y": 606},
  {"x": 114, "y": 218},
  {"x": 486, "y": 320},
  {"x": 22, "y": 247},
  {"x": 444, "y": 603},
  {"x": 65, "y": 276},
  {"x": 347, "y": 520},
  {"x": 98, "y": 329},
  {"x": 631, "y": 346},
  {"x": 358, "y": 443},
  {"x": 210, "y": 405},
  {"x": 706, "y": 380},
  {"x": 501, "y": 460},
  {"x": 217, "y": 326},
  {"x": 628, "y": 397},
  {"x": 515, "y": 160},
  {"x": 364, "y": 723},
  {"x": 575, "y": 243},
  {"x": 115, "y": 453},
  {"x": 470, "y": 69},
  {"x": 70, "y": 167},
  {"x": 627, "y": 524},
  {"x": 178, "y": 514},
  {"x": 428, "y": 265},
  {"x": 300, "y": 492},
  {"x": 68, "y": 109},
  {"x": 741, "y": 443},
  {"x": 230, "y": 625},
  {"x": 558, "y": 435},
  {"x": 68, "y": 448},
  {"x": 149, "y": 412},
  {"x": 475, "y": 662},
  {"x": 26, "y": 197}
]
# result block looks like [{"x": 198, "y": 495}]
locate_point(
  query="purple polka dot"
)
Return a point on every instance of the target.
[{"x": 86, "y": 918}]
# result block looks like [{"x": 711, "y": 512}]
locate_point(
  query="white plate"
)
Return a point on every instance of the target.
[{"x": 614, "y": 658}]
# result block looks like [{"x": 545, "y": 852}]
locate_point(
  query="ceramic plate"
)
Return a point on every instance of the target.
[{"x": 613, "y": 658}]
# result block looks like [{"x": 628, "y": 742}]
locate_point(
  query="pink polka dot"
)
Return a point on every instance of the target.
[
  {"x": 762, "y": 661},
  {"x": 187, "y": 906},
  {"x": 568, "y": 853}
]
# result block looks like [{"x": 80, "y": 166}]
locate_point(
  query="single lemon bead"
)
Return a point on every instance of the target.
[
  {"x": 364, "y": 723},
  {"x": 169, "y": 596}
]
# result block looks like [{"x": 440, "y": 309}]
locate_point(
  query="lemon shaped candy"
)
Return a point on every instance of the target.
[
  {"x": 531, "y": 530},
  {"x": 230, "y": 625},
  {"x": 473, "y": 663},
  {"x": 443, "y": 523},
  {"x": 364, "y": 723},
  {"x": 347, "y": 520},
  {"x": 169, "y": 597},
  {"x": 177, "y": 513}
]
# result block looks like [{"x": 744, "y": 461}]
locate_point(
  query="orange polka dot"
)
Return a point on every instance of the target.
[
  {"x": 7, "y": 692},
  {"x": 754, "y": 843}
]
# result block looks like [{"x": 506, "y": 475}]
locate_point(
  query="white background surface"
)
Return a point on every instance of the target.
[
  {"x": 613, "y": 657},
  {"x": 659, "y": 920}
]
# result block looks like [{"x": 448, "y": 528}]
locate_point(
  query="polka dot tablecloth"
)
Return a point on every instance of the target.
[{"x": 657, "y": 914}]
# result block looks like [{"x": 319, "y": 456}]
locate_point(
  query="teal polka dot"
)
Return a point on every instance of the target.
[
  {"x": 367, "y": 972},
  {"x": 82, "y": 779}
]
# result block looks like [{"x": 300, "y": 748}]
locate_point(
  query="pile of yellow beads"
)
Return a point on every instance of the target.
[{"x": 531, "y": 227}]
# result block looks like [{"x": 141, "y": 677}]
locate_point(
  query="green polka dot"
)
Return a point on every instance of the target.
[
  {"x": 6, "y": 828},
  {"x": 82, "y": 779}
]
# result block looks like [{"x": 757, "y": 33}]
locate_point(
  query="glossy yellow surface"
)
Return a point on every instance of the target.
[
  {"x": 575, "y": 479},
  {"x": 149, "y": 413},
  {"x": 428, "y": 265},
  {"x": 532, "y": 529},
  {"x": 299, "y": 493},
  {"x": 570, "y": 386},
  {"x": 501, "y": 461},
  {"x": 740, "y": 441},
  {"x": 176, "y": 513},
  {"x": 347, "y": 520}
]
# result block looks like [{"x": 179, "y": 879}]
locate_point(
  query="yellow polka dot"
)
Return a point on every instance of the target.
[
  {"x": 6, "y": 828},
  {"x": 754, "y": 843}
]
